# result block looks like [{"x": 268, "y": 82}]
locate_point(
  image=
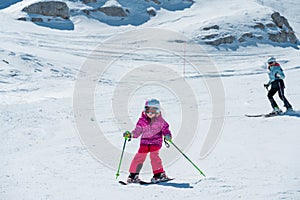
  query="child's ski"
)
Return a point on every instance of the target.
[
  {"x": 145, "y": 182},
  {"x": 123, "y": 183},
  {"x": 148, "y": 183}
]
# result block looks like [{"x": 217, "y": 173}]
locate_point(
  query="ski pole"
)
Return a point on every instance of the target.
[
  {"x": 186, "y": 157},
  {"x": 118, "y": 172}
]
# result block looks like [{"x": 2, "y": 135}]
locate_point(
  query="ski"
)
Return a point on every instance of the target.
[
  {"x": 264, "y": 115},
  {"x": 258, "y": 115},
  {"x": 145, "y": 182},
  {"x": 149, "y": 183},
  {"x": 123, "y": 183}
]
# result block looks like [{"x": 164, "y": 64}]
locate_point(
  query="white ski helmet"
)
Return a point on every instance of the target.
[{"x": 271, "y": 60}]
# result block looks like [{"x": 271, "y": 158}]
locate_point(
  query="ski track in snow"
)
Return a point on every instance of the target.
[{"x": 42, "y": 156}]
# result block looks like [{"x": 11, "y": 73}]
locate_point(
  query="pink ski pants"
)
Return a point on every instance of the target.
[{"x": 140, "y": 156}]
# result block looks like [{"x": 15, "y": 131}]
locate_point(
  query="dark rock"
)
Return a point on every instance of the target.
[
  {"x": 87, "y": 12},
  {"x": 210, "y": 36},
  {"x": 271, "y": 25},
  {"x": 279, "y": 37},
  {"x": 259, "y": 25},
  {"x": 151, "y": 12},
  {"x": 89, "y": 1},
  {"x": 249, "y": 35},
  {"x": 211, "y": 27},
  {"x": 36, "y": 19},
  {"x": 49, "y": 8},
  {"x": 280, "y": 20},
  {"x": 292, "y": 37},
  {"x": 224, "y": 40},
  {"x": 113, "y": 11},
  {"x": 286, "y": 34},
  {"x": 156, "y": 1},
  {"x": 241, "y": 39},
  {"x": 22, "y": 19}
]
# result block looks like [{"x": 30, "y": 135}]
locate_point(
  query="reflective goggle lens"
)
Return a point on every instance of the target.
[{"x": 151, "y": 110}]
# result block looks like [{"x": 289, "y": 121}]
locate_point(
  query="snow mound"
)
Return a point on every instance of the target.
[{"x": 112, "y": 3}]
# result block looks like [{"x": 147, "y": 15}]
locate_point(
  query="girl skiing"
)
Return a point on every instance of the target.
[
  {"x": 152, "y": 128},
  {"x": 276, "y": 77}
]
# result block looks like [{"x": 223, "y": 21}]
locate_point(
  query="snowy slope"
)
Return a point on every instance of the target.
[{"x": 43, "y": 155}]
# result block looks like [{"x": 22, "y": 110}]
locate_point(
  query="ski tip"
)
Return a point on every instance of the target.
[
  {"x": 123, "y": 183},
  {"x": 257, "y": 115}
]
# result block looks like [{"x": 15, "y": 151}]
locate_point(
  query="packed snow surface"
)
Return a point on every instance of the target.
[{"x": 43, "y": 151}]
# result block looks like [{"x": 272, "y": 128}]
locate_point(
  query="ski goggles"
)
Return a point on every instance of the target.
[
  {"x": 270, "y": 63},
  {"x": 151, "y": 110}
]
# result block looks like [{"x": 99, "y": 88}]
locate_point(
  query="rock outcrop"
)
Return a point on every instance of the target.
[
  {"x": 113, "y": 11},
  {"x": 89, "y": 1},
  {"x": 51, "y": 14},
  {"x": 49, "y": 8},
  {"x": 276, "y": 31},
  {"x": 228, "y": 39},
  {"x": 112, "y": 8},
  {"x": 286, "y": 33}
]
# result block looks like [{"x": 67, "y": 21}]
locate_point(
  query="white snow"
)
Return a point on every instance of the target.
[
  {"x": 43, "y": 154},
  {"x": 112, "y": 3}
]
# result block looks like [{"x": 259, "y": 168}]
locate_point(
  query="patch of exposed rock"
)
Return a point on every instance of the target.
[
  {"x": 49, "y": 8},
  {"x": 278, "y": 31}
]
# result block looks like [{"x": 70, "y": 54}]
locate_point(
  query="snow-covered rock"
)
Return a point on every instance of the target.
[
  {"x": 111, "y": 8},
  {"x": 123, "y": 12},
  {"x": 89, "y": 1},
  {"x": 111, "y": 3},
  {"x": 151, "y": 11},
  {"x": 276, "y": 29}
]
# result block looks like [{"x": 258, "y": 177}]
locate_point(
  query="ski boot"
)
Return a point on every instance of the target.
[
  {"x": 159, "y": 177},
  {"x": 290, "y": 109},
  {"x": 276, "y": 111},
  {"x": 133, "y": 178}
]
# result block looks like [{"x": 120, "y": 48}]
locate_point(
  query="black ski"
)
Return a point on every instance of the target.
[
  {"x": 148, "y": 183},
  {"x": 145, "y": 182},
  {"x": 123, "y": 183},
  {"x": 264, "y": 115},
  {"x": 286, "y": 113}
]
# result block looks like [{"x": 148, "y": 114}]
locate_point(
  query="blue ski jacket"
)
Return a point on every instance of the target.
[{"x": 275, "y": 73}]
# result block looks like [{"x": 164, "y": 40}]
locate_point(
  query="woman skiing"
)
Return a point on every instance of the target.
[
  {"x": 152, "y": 128},
  {"x": 276, "y": 77}
]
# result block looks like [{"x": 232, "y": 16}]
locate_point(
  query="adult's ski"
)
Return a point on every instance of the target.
[{"x": 264, "y": 115}]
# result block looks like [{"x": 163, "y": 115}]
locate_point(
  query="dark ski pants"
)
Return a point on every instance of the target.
[{"x": 278, "y": 86}]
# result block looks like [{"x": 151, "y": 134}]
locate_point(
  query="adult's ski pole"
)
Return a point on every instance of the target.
[
  {"x": 121, "y": 158},
  {"x": 187, "y": 158}
]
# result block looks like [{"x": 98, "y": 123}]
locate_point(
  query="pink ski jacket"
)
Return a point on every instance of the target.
[{"x": 152, "y": 131}]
